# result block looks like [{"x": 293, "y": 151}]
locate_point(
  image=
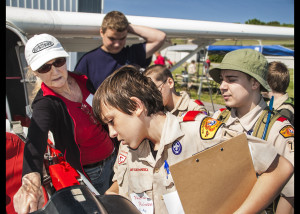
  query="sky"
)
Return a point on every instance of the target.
[{"x": 236, "y": 11}]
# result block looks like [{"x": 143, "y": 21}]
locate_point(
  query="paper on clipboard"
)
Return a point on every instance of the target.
[{"x": 216, "y": 180}]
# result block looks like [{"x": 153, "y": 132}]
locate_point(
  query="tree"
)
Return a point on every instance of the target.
[
  {"x": 254, "y": 22},
  {"x": 272, "y": 23}
]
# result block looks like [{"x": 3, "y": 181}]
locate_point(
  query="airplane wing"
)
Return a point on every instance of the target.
[{"x": 78, "y": 31}]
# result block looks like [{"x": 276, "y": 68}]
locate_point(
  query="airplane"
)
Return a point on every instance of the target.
[{"x": 79, "y": 32}]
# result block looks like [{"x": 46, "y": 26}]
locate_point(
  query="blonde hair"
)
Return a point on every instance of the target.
[
  {"x": 115, "y": 20},
  {"x": 33, "y": 78}
]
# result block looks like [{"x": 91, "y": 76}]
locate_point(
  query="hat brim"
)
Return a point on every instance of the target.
[
  {"x": 216, "y": 72},
  {"x": 47, "y": 57}
]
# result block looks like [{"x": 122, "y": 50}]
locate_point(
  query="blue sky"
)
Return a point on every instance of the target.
[{"x": 209, "y": 10}]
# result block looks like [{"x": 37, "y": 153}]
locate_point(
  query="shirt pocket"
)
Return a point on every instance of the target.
[{"x": 140, "y": 179}]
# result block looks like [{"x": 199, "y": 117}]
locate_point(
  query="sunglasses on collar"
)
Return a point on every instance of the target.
[{"x": 47, "y": 67}]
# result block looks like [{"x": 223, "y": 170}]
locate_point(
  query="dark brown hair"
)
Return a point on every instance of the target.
[
  {"x": 161, "y": 72},
  {"x": 126, "y": 82},
  {"x": 278, "y": 76}
]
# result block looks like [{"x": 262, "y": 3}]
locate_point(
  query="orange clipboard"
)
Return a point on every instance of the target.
[{"x": 216, "y": 180}]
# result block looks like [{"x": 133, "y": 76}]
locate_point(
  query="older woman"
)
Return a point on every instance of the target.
[{"x": 63, "y": 106}]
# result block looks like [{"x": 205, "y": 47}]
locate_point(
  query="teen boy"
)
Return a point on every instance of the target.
[
  {"x": 242, "y": 75},
  {"x": 131, "y": 105},
  {"x": 112, "y": 54},
  {"x": 174, "y": 102}
]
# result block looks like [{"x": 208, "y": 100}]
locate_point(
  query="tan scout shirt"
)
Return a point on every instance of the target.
[
  {"x": 279, "y": 103},
  {"x": 284, "y": 145},
  {"x": 136, "y": 171},
  {"x": 187, "y": 104}
]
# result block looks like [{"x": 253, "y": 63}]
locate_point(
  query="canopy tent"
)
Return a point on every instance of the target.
[{"x": 268, "y": 50}]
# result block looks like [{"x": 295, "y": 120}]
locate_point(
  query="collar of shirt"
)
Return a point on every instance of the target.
[
  {"x": 171, "y": 131},
  {"x": 183, "y": 103},
  {"x": 279, "y": 101},
  {"x": 49, "y": 91},
  {"x": 248, "y": 120}
]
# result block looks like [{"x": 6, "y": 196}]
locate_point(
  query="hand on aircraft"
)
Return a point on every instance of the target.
[{"x": 29, "y": 197}]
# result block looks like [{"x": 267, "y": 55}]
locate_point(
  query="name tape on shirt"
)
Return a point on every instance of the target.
[{"x": 209, "y": 128}]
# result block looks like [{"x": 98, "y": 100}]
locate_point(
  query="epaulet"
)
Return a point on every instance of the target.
[
  {"x": 199, "y": 102},
  {"x": 222, "y": 109},
  {"x": 281, "y": 119},
  {"x": 191, "y": 115}
]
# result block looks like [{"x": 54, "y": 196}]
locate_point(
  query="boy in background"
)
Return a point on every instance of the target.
[
  {"x": 174, "y": 102},
  {"x": 112, "y": 54}
]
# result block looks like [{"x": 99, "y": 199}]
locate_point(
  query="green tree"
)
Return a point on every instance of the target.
[
  {"x": 274, "y": 23},
  {"x": 254, "y": 22}
]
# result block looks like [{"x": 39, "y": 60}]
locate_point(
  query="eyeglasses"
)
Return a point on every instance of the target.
[
  {"x": 86, "y": 110},
  {"x": 160, "y": 86},
  {"x": 47, "y": 67}
]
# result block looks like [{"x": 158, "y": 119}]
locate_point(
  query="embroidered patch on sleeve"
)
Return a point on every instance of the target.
[
  {"x": 287, "y": 131},
  {"x": 209, "y": 128}
]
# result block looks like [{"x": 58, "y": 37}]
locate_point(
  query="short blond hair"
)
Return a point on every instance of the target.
[{"x": 115, "y": 20}]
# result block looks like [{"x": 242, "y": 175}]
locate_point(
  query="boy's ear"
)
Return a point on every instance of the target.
[
  {"x": 171, "y": 82},
  {"x": 101, "y": 32},
  {"x": 139, "y": 105},
  {"x": 255, "y": 84}
]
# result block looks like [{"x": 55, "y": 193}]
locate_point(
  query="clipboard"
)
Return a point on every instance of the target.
[{"x": 216, "y": 180}]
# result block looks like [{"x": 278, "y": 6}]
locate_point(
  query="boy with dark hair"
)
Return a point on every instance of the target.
[
  {"x": 131, "y": 105},
  {"x": 174, "y": 102},
  {"x": 279, "y": 79}
]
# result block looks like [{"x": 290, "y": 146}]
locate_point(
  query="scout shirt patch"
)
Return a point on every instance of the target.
[
  {"x": 209, "y": 128},
  {"x": 287, "y": 131},
  {"x": 176, "y": 147},
  {"x": 122, "y": 157}
]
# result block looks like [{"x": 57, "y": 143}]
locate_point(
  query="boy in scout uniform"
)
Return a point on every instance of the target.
[
  {"x": 131, "y": 105},
  {"x": 174, "y": 102},
  {"x": 242, "y": 76},
  {"x": 279, "y": 79}
]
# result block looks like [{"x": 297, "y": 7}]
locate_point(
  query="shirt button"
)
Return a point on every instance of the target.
[{"x": 156, "y": 170}]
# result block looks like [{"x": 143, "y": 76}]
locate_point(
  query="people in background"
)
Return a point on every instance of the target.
[
  {"x": 169, "y": 63},
  {"x": 174, "y": 102},
  {"x": 279, "y": 79},
  {"x": 62, "y": 105},
  {"x": 160, "y": 60},
  {"x": 134, "y": 113},
  {"x": 242, "y": 76},
  {"x": 112, "y": 53},
  {"x": 192, "y": 71}
]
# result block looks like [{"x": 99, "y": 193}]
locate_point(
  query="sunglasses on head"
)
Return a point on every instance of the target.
[{"x": 47, "y": 67}]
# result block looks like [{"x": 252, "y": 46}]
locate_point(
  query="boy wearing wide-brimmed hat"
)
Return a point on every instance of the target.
[{"x": 242, "y": 76}]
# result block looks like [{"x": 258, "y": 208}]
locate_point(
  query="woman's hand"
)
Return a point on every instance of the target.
[{"x": 29, "y": 197}]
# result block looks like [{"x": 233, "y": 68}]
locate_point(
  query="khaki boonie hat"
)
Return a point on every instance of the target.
[{"x": 248, "y": 61}]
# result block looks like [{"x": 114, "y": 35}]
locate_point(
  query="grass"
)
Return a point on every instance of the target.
[
  {"x": 215, "y": 93},
  {"x": 285, "y": 43}
]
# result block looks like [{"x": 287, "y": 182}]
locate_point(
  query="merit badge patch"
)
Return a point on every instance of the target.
[
  {"x": 287, "y": 131},
  {"x": 121, "y": 158},
  {"x": 209, "y": 128},
  {"x": 176, "y": 147}
]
